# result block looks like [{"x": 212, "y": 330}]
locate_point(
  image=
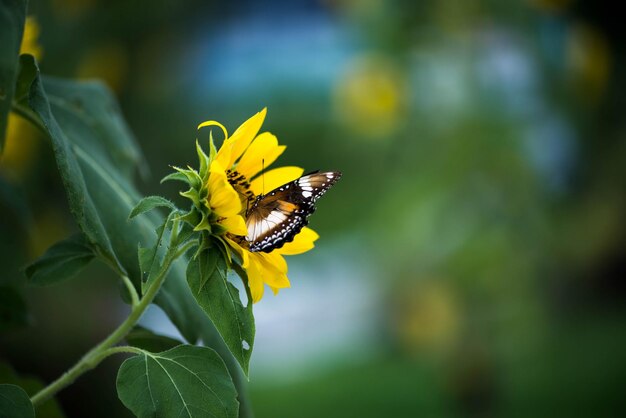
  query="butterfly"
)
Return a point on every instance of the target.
[{"x": 277, "y": 217}]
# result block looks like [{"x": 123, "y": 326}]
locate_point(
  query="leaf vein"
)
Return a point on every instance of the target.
[
  {"x": 199, "y": 379},
  {"x": 174, "y": 384},
  {"x": 148, "y": 381}
]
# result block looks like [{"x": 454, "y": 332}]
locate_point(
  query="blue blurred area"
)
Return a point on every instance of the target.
[{"x": 471, "y": 260}]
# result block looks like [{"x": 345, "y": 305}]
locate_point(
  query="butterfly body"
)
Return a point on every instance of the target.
[{"x": 277, "y": 217}]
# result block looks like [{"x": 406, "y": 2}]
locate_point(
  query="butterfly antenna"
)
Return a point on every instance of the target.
[{"x": 263, "y": 176}]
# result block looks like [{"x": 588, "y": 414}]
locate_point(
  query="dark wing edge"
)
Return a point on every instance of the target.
[{"x": 293, "y": 202}]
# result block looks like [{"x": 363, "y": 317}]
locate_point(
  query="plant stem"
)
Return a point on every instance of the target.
[
  {"x": 104, "y": 349},
  {"x": 134, "y": 297}
]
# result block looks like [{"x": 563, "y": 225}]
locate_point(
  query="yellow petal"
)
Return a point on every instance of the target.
[
  {"x": 214, "y": 123},
  {"x": 263, "y": 151},
  {"x": 272, "y": 274},
  {"x": 233, "y": 147},
  {"x": 223, "y": 155},
  {"x": 272, "y": 179},
  {"x": 235, "y": 225},
  {"x": 275, "y": 290},
  {"x": 276, "y": 260},
  {"x": 255, "y": 281},
  {"x": 223, "y": 199},
  {"x": 302, "y": 242},
  {"x": 262, "y": 268}
]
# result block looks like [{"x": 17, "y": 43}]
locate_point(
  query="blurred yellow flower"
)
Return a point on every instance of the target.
[
  {"x": 426, "y": 316},
  {"x": 108, "y": 62},
  {"x": 589, "y": 60},
  {"x": 234, "y": 183},
  {"x": 20, "y": 143},
  {"x": 370, "y": 97},
  {"x": 30, "y": 40}
]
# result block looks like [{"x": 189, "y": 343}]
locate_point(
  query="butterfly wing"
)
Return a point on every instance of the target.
[{"x": 277, "y": 217}]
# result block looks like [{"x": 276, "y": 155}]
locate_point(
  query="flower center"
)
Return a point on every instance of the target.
[{"x": 242, "y": 186}]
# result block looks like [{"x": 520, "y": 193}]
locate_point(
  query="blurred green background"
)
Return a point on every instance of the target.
[{"x": 471, "y": 260}]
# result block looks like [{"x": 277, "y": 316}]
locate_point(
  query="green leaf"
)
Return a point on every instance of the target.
[
  {"x": 13, "y": 312},
  {"x": 62, "y": 261},
  {"x": 148, "y": 203},
  {"x": 150, "y": 258},
  {"x": 145, "y": 339},
  {"x": 186, "y": 381},
  {"x": 12, "y": 17},
  {"x": 96, "y": 156},
  {"x": 15, "y": 403},
  {"x": 207, "y": 277},
  {"x": 31, "y": 385}
]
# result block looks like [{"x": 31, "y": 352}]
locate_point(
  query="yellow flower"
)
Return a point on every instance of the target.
[
  {"x": 224, "y": 201},
  {"x": 234, "y": 183},
  {"x": 271, "y": 268},
  {"x": 30, "y": 43},
  {"x": 20, "y": 140}
]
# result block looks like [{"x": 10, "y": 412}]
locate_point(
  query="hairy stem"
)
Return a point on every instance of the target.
[{"x": 105, "y": 348}]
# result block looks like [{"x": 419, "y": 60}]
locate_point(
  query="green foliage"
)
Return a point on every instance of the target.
[
  {"x": 186, "y": 381},
  {"x": 199, "y": 214},
  {"x": 62, "y": 261},
  {"x": 150, "y": 258},
  {"x": 15, "y": 403},
  {"x": 12, "y": 17},
  {"x": 96, "y": 156},
  {"x": 207, "y": 278},
  {"x": 148, "y": 203},
  {"x": 145, "y": 339},
  {"x": 31, "y": 385}
]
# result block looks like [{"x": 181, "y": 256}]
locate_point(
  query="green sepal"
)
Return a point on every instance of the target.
[
  {"x": 193, "y": 179},
  {"x": 177, "y": 176},
  {"x": 212, "y": 149},
  {"x": 204, "y": 162},
  {"x": 218, "y": 229},
  {"x": 193, "y": 195},
  {"x": 204, "y": 225},
  {"x": 192, "y": 217}
]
